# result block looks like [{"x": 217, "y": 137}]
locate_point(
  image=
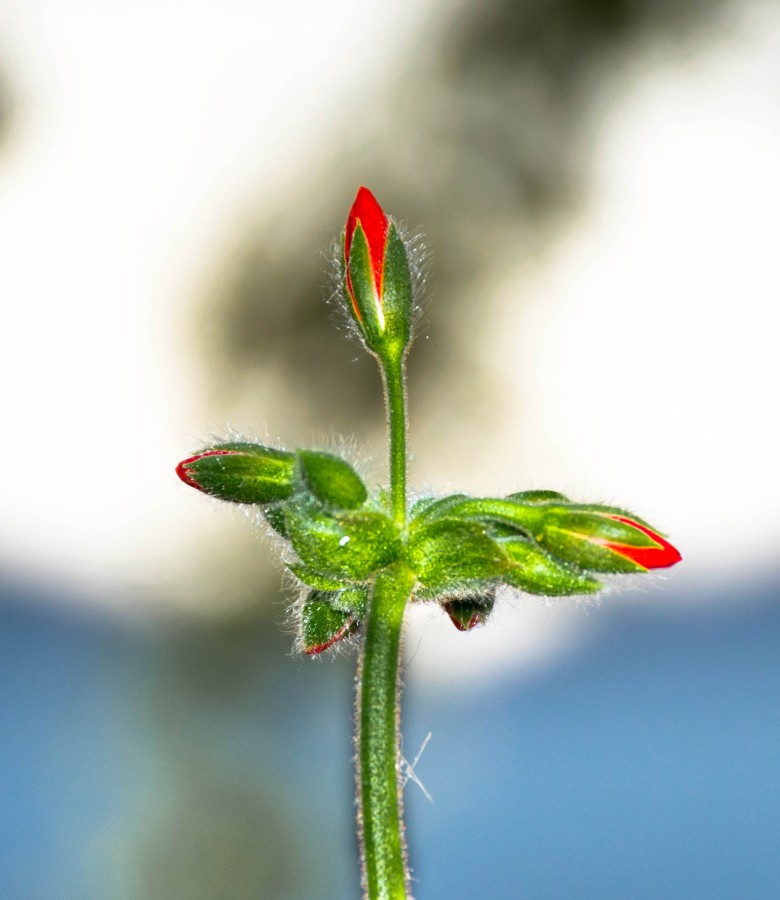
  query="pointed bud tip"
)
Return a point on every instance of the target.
[
  {"x": 184, "y": 473},
  {"x": 663, "y": 555},
  {"x": 461, "y": 625}
]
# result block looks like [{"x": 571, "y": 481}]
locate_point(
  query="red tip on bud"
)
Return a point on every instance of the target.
[
  {"x": 463, "y": 625},
  {"x": 186, "y": 476},
  {"x": 367, "y": 213},
  {"x": 662, "y": 555}
]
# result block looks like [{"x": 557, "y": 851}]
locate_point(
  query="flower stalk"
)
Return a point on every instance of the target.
[{"x": 360, "y": 556}]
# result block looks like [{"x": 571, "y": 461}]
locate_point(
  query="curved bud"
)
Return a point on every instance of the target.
[
  {"x": 240, "y": 472},
  {"x": 592, "y": 537},
  {"x": 604, "y": 539},
  {"x": 377, "y": 279}
]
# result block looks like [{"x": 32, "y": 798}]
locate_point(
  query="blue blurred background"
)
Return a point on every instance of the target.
[{"x": 599, "y": 187}]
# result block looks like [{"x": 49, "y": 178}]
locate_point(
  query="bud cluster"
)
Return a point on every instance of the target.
[{"x": 461, "y": 549}]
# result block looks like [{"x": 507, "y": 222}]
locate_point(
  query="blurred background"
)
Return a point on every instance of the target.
[{"x": 598, "y": 183}]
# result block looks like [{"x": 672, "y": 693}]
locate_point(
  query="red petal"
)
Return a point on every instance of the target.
[
  {"x": 658, "y": 557},
  {"x": 373, "y": 220}
]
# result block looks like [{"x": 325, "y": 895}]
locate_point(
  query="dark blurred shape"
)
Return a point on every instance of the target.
[{"x": 483, "y": 141}]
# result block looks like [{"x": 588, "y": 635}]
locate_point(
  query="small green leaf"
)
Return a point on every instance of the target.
[
  {"x": 331, "y": 479},
  {"x": 344, "y": 545},
  {"x": 537, "y": 572},
  {"x": 321, "y": 624},
  {"x": 451, "y": 555}
]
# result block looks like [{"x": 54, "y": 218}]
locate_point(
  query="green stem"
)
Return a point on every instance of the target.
[
  {"x": 383, "y": 850},
  {"x": 380, "y": 802},
  {"x": 394, "y": 380}
]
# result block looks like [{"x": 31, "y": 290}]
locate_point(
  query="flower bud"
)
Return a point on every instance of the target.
[
  {"x": 240, "y": 472},
  {"x": 377, "y": 280},
  {"x": 605, "y": 541},
  {"x": 467, "y": 612}
]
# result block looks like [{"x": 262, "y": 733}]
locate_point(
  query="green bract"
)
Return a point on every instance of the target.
[
  {"x": 322, "y": 624},
  {"x": 349, "y": 545},
  {"x": 331, "y": 479}
]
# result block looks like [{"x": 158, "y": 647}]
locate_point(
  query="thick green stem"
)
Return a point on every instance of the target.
[
  {"x": 394, "y": 379},
  {"x": 383, "y": 851}
]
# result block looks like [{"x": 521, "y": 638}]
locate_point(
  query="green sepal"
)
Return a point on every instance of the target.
[
  {"x": 369, "y": 311},
  {"x": 241, "y": 472},
  {"x": 537, "y": 497},
  {"x": 275, "y": 516},
  {"x": 353, "y": 599},
  {"x": 385, "y": 321},
  {"x": 348, "y": 545},
  {"x": 450, "y": 555},
  {"x": 322, "y": 624},
  {"x": 576, "y": 535},
  {"x": 428, "y": 508},
  {"x": 470, "y": 610},
  {"x": 330, "y": 479},
  {"x": 316, "y": 580},
  {"x": 397, "y": 303},
  {"x": 535, "y": 571}
]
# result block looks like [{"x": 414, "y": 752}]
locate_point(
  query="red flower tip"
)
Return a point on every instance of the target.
[
  {"x": 186, "y": 476},
  {"x": 367, "y": 211},
  {"x": 475, "y": 620},
  {"x": 661, "y": 556}
]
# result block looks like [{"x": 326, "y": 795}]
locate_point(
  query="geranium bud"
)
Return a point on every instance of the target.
[
  {"x": 467, "y": 612},
  {"x": 377, "y": 280},
  {"x": 240, "y": 472},
  {"x": 605, "y": 541}
]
